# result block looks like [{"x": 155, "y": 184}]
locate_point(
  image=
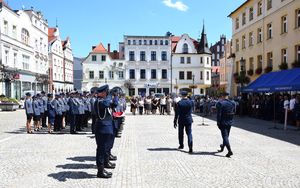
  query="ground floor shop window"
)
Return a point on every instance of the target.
[{"x": 131, "y": 91}]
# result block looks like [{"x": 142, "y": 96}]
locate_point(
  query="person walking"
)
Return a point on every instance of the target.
[
  {"x": 29, "y": 112},
  {"x": 225, "y": 113},
  {"x": 183, "y": 116}
]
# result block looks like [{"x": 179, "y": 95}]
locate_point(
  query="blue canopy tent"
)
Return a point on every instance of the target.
[
  {"x": 286, "y": 80},
  {"x": 281, "y": 81}
]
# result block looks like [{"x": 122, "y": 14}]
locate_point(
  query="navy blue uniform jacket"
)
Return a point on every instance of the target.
[{"x": 183, "y": 112}]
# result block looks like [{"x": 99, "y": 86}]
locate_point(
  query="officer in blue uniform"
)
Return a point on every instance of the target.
[
  {"x": 225, "y": 113},
  {"x": 36, "y": 113},
  {"x": 103, "y": 131},
  {"x": 73, "y": 112},
  {"x": 92, "y": 104},
  {"x": 51, "y": 111},
  {"x": 29, "y": 112},
  {"x": 58, "y": 113},
  {"x": 183, "y": 115},
  {"x": 45, "y": 102}
]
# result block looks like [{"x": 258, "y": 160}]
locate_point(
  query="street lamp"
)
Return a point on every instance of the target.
[{"x": 193, "y": 84}]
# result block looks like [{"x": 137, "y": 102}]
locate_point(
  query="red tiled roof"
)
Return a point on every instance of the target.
[
  {"x": 51, "y": 36},
  {"x": 100, "y": 49},
  {"x": 114, "y": 55},
  {"x": 176, "y": 39}
]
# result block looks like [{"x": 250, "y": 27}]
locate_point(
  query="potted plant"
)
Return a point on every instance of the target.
[
  {"x": 268, "y": 69},
  {"x": 258, "y": 70},
  {"x": 296, "y": 64},
  {"x": 8, "y": 104},
  {"x": 250, "y": 72},
  {"x": 283, "y": 66}
]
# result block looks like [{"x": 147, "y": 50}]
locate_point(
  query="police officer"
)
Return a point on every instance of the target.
[
  {"x": 58, "y": 113},
  {"x": 73, "y": 111},
  {"x": 92, "y": 104},
  {"x": 225, "y": 113},
  {"x": 51, "y": 111},
  {"x": 45, "y": 102},
  {"x": 36, "y": 113},
  {"x": 29, "y": 112},
  {"x": 183, "y": 115},
  {"x": 103, "y": 131}
]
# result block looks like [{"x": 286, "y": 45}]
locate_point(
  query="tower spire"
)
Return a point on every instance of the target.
[{"x": 203, "y": 45}]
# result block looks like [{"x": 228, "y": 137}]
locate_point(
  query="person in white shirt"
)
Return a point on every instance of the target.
[
  {"x": 292, "y": 102},
  {"x": 162, "y": 105}
]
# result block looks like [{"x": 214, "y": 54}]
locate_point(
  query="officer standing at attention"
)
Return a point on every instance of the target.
[
  {"x": 73, "y": 111},
  {"x": 225, "y": 113},
  {"x": 29, "y": 112},
  {"x": 103, "y": 131},
  {"x": 45, "y": 102},
  {"x": 183, "y": 115}
]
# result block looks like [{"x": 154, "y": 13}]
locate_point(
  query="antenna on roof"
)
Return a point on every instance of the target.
[{"x": 56, "y": 23}]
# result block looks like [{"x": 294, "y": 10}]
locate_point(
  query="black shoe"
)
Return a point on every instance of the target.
[
  {"x": 180, "y": 147},
  {"x": 103, "y": 173},
  {"x": 112, "y": 157},
  {"x": 73, "y": 132},
  {"x": 110, "y": 165},
  {"x": 229, "y": 154},
  {"x": 109, "y": 173},
  {"x": 190, "y": 150},
  {"x": 222, "y": 148}
]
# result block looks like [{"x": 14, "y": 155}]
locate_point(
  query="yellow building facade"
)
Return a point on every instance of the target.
[{"x": 266, "y": 34}]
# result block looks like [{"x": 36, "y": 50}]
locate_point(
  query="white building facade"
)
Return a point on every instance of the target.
[
  {"x": 148, "y": 64},
  {"x": 103, "y": 67},
  {"x": 68, "y": 65},
  {"x": 191, "y": 67},
  {"x": 23, "y": 49}
]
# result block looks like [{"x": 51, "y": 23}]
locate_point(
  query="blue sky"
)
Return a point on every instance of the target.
[{"x": 89, "y": 22}]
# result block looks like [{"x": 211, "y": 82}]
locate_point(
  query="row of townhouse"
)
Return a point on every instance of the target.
[
  {"x": 27, "y": 54},
  {"x": 151, "y": 64}
]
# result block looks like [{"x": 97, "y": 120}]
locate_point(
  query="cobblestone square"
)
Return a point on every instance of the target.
[{"x": 148, "y": 156}]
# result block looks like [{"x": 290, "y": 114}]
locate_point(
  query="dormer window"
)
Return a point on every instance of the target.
[{"x": 185, "y": 48}]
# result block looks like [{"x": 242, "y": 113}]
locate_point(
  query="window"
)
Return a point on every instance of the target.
[
  {"x": 14, "y": 32},
  {"x": 143, "y": 74},
  {"x": 185, "y": 48},
  {"x": 269, "y": 4},
  {"x": 129, "y": 42},
  {"x": 131, "y": 74},
  {"x": 181, "y": 75},
  {"x": 166, "y": 42},
  {"x": 15, "y": 59},
  {"x": 259, "y": 8},
  {"x": 161, "y": 42},
  {"x": 25, "y": 36},
  {"x": 284, "y": 24},
  {"x": 201, "y": 75},
  {"x": 182, "y": 60},
  {"x": 145, "y": 42},
  {"x": 208, "y": 61},
  {"x": 250, "y": 13},
  {"x": 103, "y": 58},
  {"x": 134, "y": 42},
  {"x": 164, "y": 74},
  {"x": 284, "y": 56},
  {"x": 237, "y": 45},
  {"x": 91, "y": 74},
  {"x": 298, "y": 52},
  {"x": 244, "y": 18},
  {"x": 164, "y": 56},
  {"x": 251, "y": 39},
  {"x": 153, "y": 73},
  {"x": 5, "y": 27},
  {"x": 101, "y": 74},
  {"x": 243, "y": 42},
  {"x": 150, "y": 42},
  {"x": 94, "y": 58},
  {"x": 6, "y": 57},
  {"x": 131, "y": 56},
  {"x": 251, "y": 63},
  {"x": 189, "y": 75},
  {"x": 201, "y": 60},
  {"x": 153, "y": 55},
  {"x": 237, "y": 23},
  {"x": 121, "y": 74},
  {"x": 188, "y": 60},
  {"x": 259, "y": 61},
  {"x": 270, "y": 59},
  {"x": 269, "y": 27},
  {"x": 111, "y": 74},
  {"x": 259, "y": 35},
  {"x": 155, "y": 42},
  {"x": 25, "y": 62},
  {"x": 140, "y": 42},
  {"x": 297, "y": 18},
  {"x": 207, "y": 75},
  {"x": 142, "y": 56}
]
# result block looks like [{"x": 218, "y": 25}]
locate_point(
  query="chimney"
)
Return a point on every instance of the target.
[
  {"x": 93, "y": 47},
  {"x": 108, "y": 47}
]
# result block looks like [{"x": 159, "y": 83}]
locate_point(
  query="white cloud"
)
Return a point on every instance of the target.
[{"x": 177, "y": 5}]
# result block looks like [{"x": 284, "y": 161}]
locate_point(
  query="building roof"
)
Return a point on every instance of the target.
[
  {"x": 100, "y": 49},
  {"x": 114, "y": 55},
  {"x": 203, "y": 45},
  {"x": 51, "y": 35},
  {"x": 239, "y": 8},
  {"x": 2, "y": 2},
  {"x": 176, "y": 39}
]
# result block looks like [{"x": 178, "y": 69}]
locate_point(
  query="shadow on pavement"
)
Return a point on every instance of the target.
[
  {"x": 265, "y": 128},
  {"x": 77, "y": 166},
  {"x": 82, "y": 158},
  {"x": 183, "y": 151},
  {"x": 63, "y": 176}
]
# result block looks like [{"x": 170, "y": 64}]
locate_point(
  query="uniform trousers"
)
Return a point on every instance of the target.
[
  {"x": 188, "y": 131},
  {"x": 44, "y": 117},
  {"x": 72, "y": 121},
  {"x": 102, "y": 152},
  {"x": 58, "y": 122},
  {"x": 225, "y": 131},
  {"x": 93, "y": 123}
]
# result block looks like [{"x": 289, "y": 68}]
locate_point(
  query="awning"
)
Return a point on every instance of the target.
[{"x": 286, "y": 80}]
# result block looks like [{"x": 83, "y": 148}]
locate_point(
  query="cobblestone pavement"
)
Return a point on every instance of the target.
[{"x": 147, "y": 156}]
